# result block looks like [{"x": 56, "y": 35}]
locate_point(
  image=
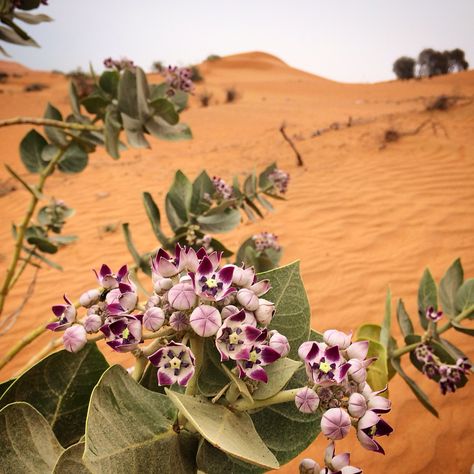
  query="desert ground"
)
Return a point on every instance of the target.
[{"x": 359, "y": 216}]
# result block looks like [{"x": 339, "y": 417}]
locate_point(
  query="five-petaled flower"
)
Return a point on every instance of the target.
[
  {"x": 212, "y": 285},
  {"x": 66, "y": 314},
  {"x": 175, "y": 364},
  {"x": 369, "y": 426},
  {"x": 123, "y": 332}
]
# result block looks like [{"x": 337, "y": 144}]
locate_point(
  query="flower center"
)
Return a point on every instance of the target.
[
  {"x": 126, "y": 333},
  {"x": 373, "y": 430},
  {"x": 324, "y": 367},
  {"x": 253, "y": 357},
  {"x": 233, "y": 338},
  {"x": 211, "y": 283},
  {"x": 175, "y": 363}
]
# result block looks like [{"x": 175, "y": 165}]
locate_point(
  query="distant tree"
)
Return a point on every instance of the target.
[
  {"x": 456, "y": 60},
  {"x": 196, "y": 75},
  {"x": 404, "y": 68},
  {"x": 425, "y": 62},
  {"x": 157, "y": 66},
  {"x": 213, "y": 57}
]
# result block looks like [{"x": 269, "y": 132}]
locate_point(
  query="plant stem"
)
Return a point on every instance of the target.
[
  {"x": 22, "y": 229},
  {"x": 197, "y": 348},
  {"x": 139, "y": 367},
  {"x": 404, "y": 350},
  {"x": 282, "y": 397},
  {"x": 50, "y": 123},
  {"x": 26, "y": 261}
]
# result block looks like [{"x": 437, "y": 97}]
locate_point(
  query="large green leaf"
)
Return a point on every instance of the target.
[
  {"x": 59, "y": 387},
  {"x": 422, "y": 397},
  {"x": 279, "y": 374},
  {"x": 449, "y": 286},
  {"x": 465, "y": 297},
  {"x": 166, "y": 110},
  {"x": 153, "y": 213},
  {"x": 427, "y": 296},
  {"x": 159, "y": 128},
  {"x": 70, "y": 462},
  {"x": 28, "y": 444},
  {"x": 127, "y": 94},
  {"x": 404, "y": 321},
  {"x": 31, "y": 148},
  {"x": 232, "y": 432},
  {"x": 211, "y": 377},
  {"x": 217, "y": 223},
  {"x": 130, "y": 429},
  {"x": 178, "y": 200},
  {"x": 109, "y": 81},
  {"x": 54, "y": 134},
  {"x": 202, "y": 185},
  {"x": 74, "y": 160},
  {"x": 292, "y": 315},
  {"x": 112, "y": 128}
]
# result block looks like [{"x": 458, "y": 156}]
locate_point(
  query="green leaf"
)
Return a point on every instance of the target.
[
  {"x": 59, "y": 387},
  {"x": 32, "y": 19},
  {"x": 233, "y": 433},
  {"x": 449, "y": 286},
  {"x": 11, "y": 36},
  {"x": 166, "y": 110},
  {"x": 465, "y": 297},
  {"x": 422, "y": 397},
  {"x": 387, "y": 322},
  {"x": 279, "y": 374},
  {"x": 74, "y": 160},
  {"x": 49, "y": 262},
  {"x": 263, "y": 181},
  {"x": 31, "y": 148},
  {"x": 54, "y": 134},
  {"x": 50, "y": 152},
  {"x": 4, "y": 386},
  {"x": 404, "y": 321},
  {"x": 142, "y": 263},
  {"x": 211, "y": 377},
  {"x": 292, "y": 315},
  {"x": 238, "y": 382},
  {"x": 455, "y": 352},
  {"x": 70, "y": 461},
  {"x": 427, "y": 296},
  {"x": 109, "y": 81},
  {"x": 43, "y": 244},
  {"x": 127, "y": 94},
  {"x": 134, "y": 132},
  {"x": 74, "y": 99},
  {"x": 95, "y": 103},
  {"x": 178, "y": 200},
  {"x": 112, "y": 129},
  {"x": 143, "y": 93},
  {"x": 159, "y": 128},
  {"x": 460, "y": 328},
  {"x": 202, "y": 185},
  {"x": 153, "y": 213},
  {"x": 130, "y": 429},
  {"x": 28, "y": 444},
  {"x": 218, "y": 223}
]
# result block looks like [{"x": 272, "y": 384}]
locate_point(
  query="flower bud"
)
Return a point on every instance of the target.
[
  {"x": 205, "y": 320},
  {"x": 332, "y": 337},
  {"x": 179, "y": 321},
  {"x": 306, "y": 400},
  {"x": 89, "y": 298},
  {"x": 162, "y": 284},
  {"x": 279, "y": 342},
  {"x": 357, "y": 405},
  {"x": 153, "y": 319},
  {"x": 153, "y": 301},
  {"x": 248, "y": 299},
  {"x": 357, "y": 371},
  {"x": 243, "y": 277},
  {"x": 309, "y": 466},
  {"x": 265, "y": 311},
  {"x": 74, "y": 338},
  {"x": 182, "y": 296},
  {"x": 335, "y": 423},
  {"x": 229, "y": 310},
  {"x": 92, "y": 323},
  {"x": 128, "y": 300},
  {"x": 358, "y": 350}
]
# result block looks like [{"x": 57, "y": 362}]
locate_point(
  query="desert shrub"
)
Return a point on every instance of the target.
[
  {"x": 157, "y": 66},
  {"x": 4, "y": 77},
  {"x": 456, "y": 60},
  {"x": 404, "y": 68},
  {"x": 196, "y": 75},
  {"x": 213, "y": 57},
  {"x": 35, "y": 87},
  {"x": 205, "y": 98},
  {"x": 231, "y": 95}
]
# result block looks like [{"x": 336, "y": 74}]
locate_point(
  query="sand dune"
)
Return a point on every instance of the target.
[{"x": 359, "y": 218}]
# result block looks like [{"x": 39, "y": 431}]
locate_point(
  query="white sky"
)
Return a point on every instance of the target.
[{"x": 344, "y": 40}]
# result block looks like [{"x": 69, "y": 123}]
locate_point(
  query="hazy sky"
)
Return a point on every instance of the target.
[{"x": 345, "y": 40}]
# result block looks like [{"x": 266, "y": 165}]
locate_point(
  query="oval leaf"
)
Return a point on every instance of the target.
[{"x": 449, "y": 286}]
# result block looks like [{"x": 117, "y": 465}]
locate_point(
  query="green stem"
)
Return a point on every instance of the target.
[
  {"x": 6, "y": 287},
  {"x": 282, "y": 397},
  {"x": 26, "y": 261},
  {"x": 465, "y": 314},
  {"x": 139, "y": 367},
  {"x": 50, "y": 123},
  {"x": 197, "y": 348}
]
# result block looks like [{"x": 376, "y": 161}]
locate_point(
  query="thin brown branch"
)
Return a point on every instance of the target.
[{"x": 299, "y": 159}]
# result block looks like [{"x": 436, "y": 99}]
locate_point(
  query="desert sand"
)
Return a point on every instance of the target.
[{"x": 358, "y": 217}]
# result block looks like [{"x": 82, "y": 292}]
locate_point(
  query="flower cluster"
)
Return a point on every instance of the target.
[
  {"x": 280, "y": 180},
  {"x": 119, "y": 64},
  {"x": 334, "y": 464},
  {"x": 179, "y": 78},
  {"x": 223, "y": 190},
  {"x": 449, "y": 376},
  {"x": 265, "y": 240},
  {"x": 337, "y": 373},
  {"x": 192, "y": 295}
]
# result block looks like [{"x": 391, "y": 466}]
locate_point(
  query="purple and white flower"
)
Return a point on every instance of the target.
[
  {"x": 92, "y": 323},
  {"x": 433, "y": 315},
  {"x": 153, "y": 319},
  {"x": 265, "y": 312},
  {"x": 279, "y": 342},
  {"x": 89, "y": 298},
  {"x": 324, "y": 365},
  {"x": 179, "y": 321},
  {"x": 333, "y": 337},
  {"x": 165, "y": 265},
  {"x": 260, "y": 355},
  {"x": 210, "y": 284},
  {"x": 339, "y": 464},
  {"x": 66, "y": 314},
  {"x": 74, "y": 338},
  {"x": 357, "y": 405},
  {"x": 248, "y": 299},
  {"x": 123, "y": 333},
  {"x": 175, "y": 364},
  {"x": 205, "y": 320},
  {"x": 122, "y": 299},
  {"x": 306, "y": 400},
  {"x": 369, "y": 426},
  {"x": 243, "y": 277},
  {"x": 109, "y": 280},
  {"x": 182, "y": 296},
  {"x": 335, "y": 423}
]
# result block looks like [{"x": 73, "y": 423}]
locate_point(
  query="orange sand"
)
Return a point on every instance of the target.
[{"x": 358, "y": 217}]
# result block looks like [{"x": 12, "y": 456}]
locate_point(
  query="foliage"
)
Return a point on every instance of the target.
[{"x": 404, "y": 68}]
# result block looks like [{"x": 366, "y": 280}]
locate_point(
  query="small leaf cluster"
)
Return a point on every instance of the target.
[
  {"x": 12, "y": 11},
  {"x": 196, "y": 210}
]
